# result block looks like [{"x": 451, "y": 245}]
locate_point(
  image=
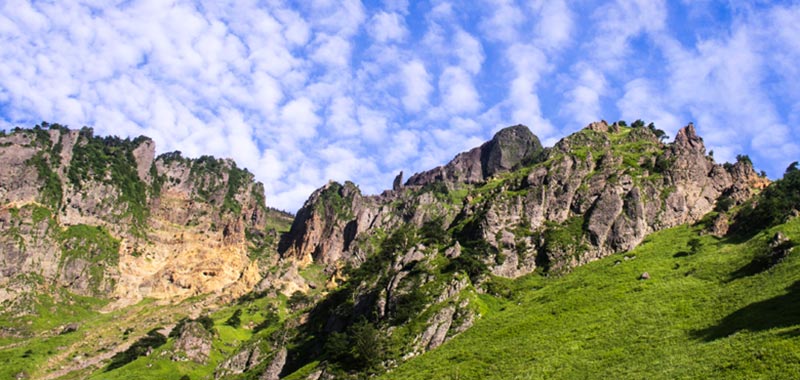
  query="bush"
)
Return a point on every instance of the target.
[
  {"x": 470, "y": 263},
  {"x": 660, "y": 134},
  {"x": 368, "y": 347},
  {"x": 205, "y": 321},
  {"x": 361, "y": 347},
  {"x": 432, "y": 232},
  {"x": 694, "y": 245},
  {"x": 337, "y": 347}
]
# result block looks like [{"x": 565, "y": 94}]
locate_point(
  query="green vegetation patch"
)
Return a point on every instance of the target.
[
  {"x": 95, "y": 245},
  {"x": 696, "y": 317},
  {"x": 334, "y": 202},
  {"x": 236, "y": 179},
  {"x": 774, "y": 205},
  {"x": 110, "y": 160}
]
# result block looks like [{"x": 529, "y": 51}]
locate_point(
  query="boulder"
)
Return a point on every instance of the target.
[{"x": 193, "y": 343}]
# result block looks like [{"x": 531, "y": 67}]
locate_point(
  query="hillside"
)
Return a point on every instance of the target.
[
  {"x": 702, "y": 314},
  {"x": 511, "y": 261}
]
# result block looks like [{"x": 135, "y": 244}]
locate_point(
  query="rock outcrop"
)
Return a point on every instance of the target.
[
  {"x": 596, "y": 192},
  {"x": 510, "y": 148},
  {"x": 193, "y": 343},
  {"x": 103, "y": 216}
]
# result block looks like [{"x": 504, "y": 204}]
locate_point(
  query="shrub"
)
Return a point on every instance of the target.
[
  {"x": 368, "y": 346},
  {"x": 694, "y": 245},
  {"x": 660, "y": 134},
  {"x": 432, "y": 232}
]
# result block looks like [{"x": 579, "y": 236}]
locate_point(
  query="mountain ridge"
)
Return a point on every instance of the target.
[{"x": 357, "y": 284}]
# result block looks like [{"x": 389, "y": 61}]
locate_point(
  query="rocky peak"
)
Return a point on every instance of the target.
[
  {"x": 144, "y": 155},
  {"x": 687, "y": 138},
  {"x": 509, "y": 148},
  {"x": 319, "y": 231}
]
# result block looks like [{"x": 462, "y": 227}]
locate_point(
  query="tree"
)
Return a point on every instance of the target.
[
  {"x": 744, "y": 159},
  {"x": 660, "y": 134},
  {"x": 337, "y": 347},
  {"x": 637, "y": 124},
  {"x": 791, "y": 168},
  {"x": 368, "y": 348}
]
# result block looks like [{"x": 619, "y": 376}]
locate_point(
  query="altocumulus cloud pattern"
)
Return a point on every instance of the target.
[{"x": 302, "y": 92}]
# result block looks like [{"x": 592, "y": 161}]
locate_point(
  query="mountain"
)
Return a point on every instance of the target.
[
  {"x": 598, "y": 191},
  {"x": 104, "y": 217},
  {"x": 502, "y": 263}
]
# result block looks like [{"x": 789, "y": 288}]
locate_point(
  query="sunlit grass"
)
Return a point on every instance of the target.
[{"x": 692, "y": 319}]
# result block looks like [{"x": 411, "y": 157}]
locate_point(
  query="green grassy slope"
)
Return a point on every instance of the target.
[{"x": 699, "y": 316}]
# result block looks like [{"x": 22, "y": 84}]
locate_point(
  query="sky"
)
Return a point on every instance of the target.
[{"x": 304, "y": 92}]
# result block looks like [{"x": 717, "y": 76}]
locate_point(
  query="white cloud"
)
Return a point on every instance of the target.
[
  {"x": 342, "y": 116},
  {"x": 529, "y": 63},
  {"x": 555, "y": 23},
  {"x": 416, "y": 82},
  {"x": 299, "y": 119},
  {"x": 331, "y": 50},
  {"x": 373, "y": 124},
  {"x": 642, "y": 100},
  {"x": 503, "y": 22},
  {"x": 405, "y": 144},
  {"x": 400, "y": 6},
  {"x": 339, "y": 17},
  {"x": 398, "y": 85},
  {"x": 457, "y": 92},
  {"x": 342, "y": 164},
  {"x": 386, "y": 27},
  {"x": 583, "y": 104},
  {"x": 469, "y": 52},
  {"x": 618, "y": 22}
]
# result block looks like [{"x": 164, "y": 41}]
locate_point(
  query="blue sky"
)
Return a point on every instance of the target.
[{"x": 303, "y": 92}]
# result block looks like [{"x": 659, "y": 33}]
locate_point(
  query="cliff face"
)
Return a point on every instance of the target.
[
  {"x": 105, "y": 217},
  {"x": 604, "y": 189}
]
